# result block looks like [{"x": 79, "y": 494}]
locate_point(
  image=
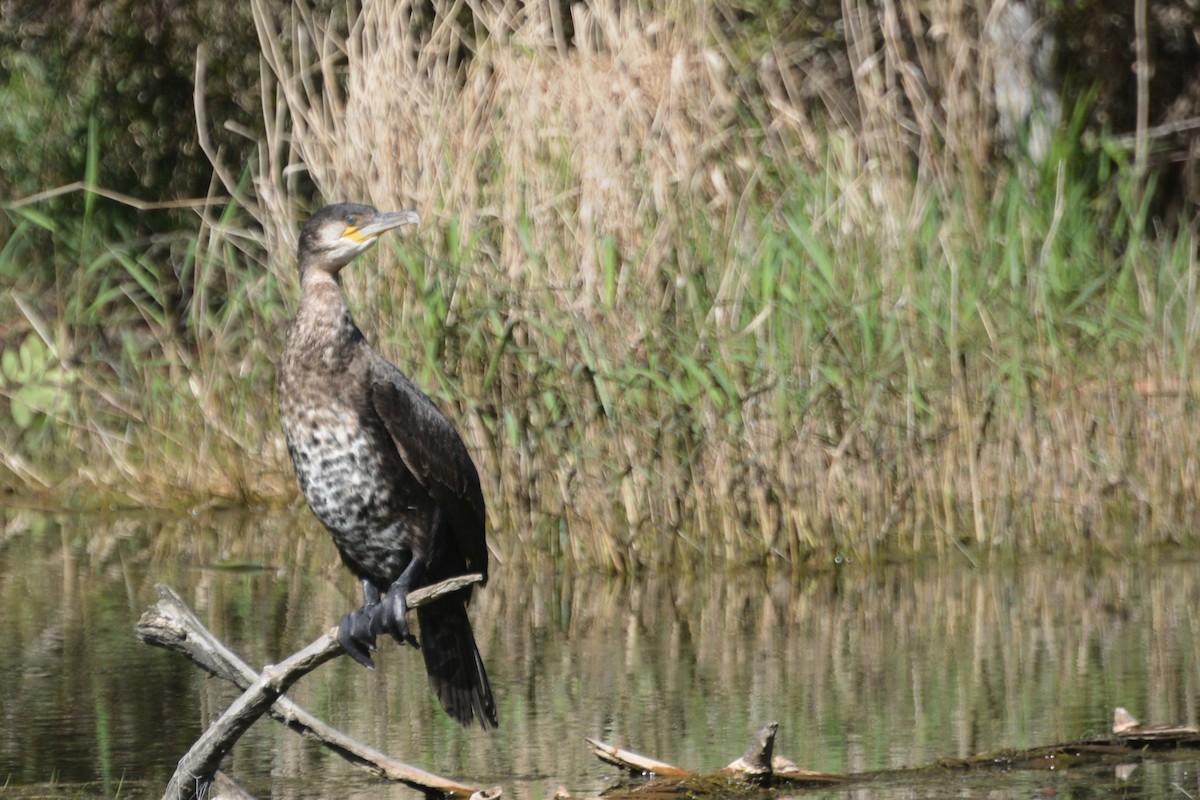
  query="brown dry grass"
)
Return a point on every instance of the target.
[
  {"x": 692, "y": 297},
  {"x": 594, "y": 297}
]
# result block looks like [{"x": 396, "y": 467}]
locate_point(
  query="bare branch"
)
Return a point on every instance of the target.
[
  {"x": 172, "y": 625},
  {"x": 427, "y": 594},
  {"x": 196, "y": 769}
]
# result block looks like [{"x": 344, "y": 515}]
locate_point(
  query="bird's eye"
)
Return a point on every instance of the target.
[{"x": 351, "y": 220}]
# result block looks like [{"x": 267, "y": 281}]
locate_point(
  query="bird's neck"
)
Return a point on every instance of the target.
[
  {"x": 323, "y": 328},
  {"x": 321, "y": 299},
  {"x": 318, "y": 280}
]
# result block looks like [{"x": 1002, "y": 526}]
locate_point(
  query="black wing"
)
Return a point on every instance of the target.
[{"x": 435, "y": 454}]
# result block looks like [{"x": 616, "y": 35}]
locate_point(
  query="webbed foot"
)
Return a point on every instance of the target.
[
  {"x": 355, "y": 634},
  {"x": 391, "y": 616}
]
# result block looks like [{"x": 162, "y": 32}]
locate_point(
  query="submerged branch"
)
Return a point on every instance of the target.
[{"x": 172, "y": 625}]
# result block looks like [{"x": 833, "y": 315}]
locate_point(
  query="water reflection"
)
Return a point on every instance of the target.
[{"x": 864, "y": 669}]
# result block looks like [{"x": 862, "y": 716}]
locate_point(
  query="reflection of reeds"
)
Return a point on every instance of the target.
[
  {"x": 863, "y": 668},
  {"x": 683, "y": 311}
]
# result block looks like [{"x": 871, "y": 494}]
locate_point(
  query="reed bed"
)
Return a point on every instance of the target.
[{"x": 688, "y": 302}]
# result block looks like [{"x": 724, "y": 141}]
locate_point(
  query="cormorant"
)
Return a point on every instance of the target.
[{"x": 383, "y": 469}]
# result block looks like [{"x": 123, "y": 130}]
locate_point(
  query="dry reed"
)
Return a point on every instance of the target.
[
  {"x": 590, "y": 294},
  {"x": 690, "y": 301}
]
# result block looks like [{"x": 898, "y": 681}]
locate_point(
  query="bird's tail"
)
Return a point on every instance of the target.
[{"x": 456, "y": 672}]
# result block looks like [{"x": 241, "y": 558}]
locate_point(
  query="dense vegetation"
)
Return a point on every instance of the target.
[{"x": 697, "y": 283}]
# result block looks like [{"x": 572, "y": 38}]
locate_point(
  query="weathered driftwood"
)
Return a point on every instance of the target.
[
  {"x": 755, "y": 763},
  {"x": 1130, "y": 741},
  {"x": 633, "y": 762},
  {"x": 757, "y": 769},
  {"x": 172, "y": 625},
  {"x": 1128, "y": 730},
  {"x": 195, "y": 770}
]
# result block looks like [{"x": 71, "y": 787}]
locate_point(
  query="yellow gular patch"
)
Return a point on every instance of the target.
[{"x": 352, "y": 233}]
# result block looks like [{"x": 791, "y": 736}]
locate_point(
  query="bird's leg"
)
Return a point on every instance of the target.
[
  {"x": 355, "y": 633},
  {"x": 392, "y": 614}
]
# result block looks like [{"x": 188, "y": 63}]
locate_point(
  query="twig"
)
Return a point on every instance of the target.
[
  {"x": 172, "y": 625},
  {"x": 754, "y": 765},
  {"x": 227, "y": 178},
  {"x": 1159, "y": 131},
  {"x": 108, "y": 194}
]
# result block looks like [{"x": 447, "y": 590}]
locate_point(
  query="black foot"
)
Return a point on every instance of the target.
[
  {"x": 355, "y": 635},
  {"x": 391, "y": 616},
  {"x": 355, "y": 631}
]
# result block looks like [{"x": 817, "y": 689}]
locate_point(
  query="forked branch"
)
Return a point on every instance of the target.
[{"x": 172, "y": 625}]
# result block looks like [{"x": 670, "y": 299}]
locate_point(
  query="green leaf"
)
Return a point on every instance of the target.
[
  {"x": 58, "y": 376},
  {"x": 511, "y": 428},
  {"x": 21, "y": 414},
  {"x": 33, "y": 355},
  {"x": 91, "y": 169},
  {"x": 10, "y": 365},
  {"x": 37, "y": 397},
  {"x": 833, "y": 376},
  {"x": 43, "y": 221}
]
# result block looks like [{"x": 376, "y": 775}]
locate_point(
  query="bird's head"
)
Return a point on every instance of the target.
[{"x": 333, "y": 236}]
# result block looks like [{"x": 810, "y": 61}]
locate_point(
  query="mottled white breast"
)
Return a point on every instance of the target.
[
  {"x": 351, "y": 486},
  {"x": 339, "y": 471}
]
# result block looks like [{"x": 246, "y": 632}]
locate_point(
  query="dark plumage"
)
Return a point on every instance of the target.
[{"x": 382, "y": 468}]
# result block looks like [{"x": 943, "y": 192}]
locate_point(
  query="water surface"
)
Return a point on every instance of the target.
[{"x": 864, "y": 667}]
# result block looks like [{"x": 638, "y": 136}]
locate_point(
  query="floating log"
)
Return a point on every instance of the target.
[
  {"x": 787, "y": 773},
  {"x": 754, "y": 770},
  {"x": 757, "y": 770},
  {"x": 172, "y": 625}
]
